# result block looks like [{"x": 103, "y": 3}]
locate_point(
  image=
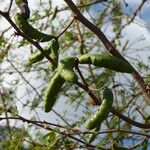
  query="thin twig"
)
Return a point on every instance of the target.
[
  {"x": 135, "y": 13},
  {"x": 48, "y": 126},
  {"x": 95, "y": 99},
  {"x": 6, "y": 115},
  {"x": 10, "y": 5},
  {"x": 66, "y": 27},
  {"x": 140, "y": 112},
  {"x": 81, "y": 76},
  {"x": 42, "y": 125},
  {"x": 24, "y": 78},
  {"x": 138, "y": 144}
]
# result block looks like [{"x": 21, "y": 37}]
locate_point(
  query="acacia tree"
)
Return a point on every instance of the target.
[{"x": 79, "y": 49}]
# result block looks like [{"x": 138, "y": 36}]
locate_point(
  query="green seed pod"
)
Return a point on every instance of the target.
[
  {"x": 93, "y": 136},
  {"x": 103, "y": 111},
  {"x": 55, "y": 45},
  {"x": 116, "y": 147},
  {"x": 52, "y": 49},
  {"x": 23, "y": 5},
  {"x": 54, "y": 56},
  {"x": 86, "y": 59},
  {"x": 30, "y": 31},
  {"x": 52, "y": 91},
  {"x": 38, "y": 56},
  {"x": 81, "y": 49},
  {"x": 54, "y": 53},
  {"x": 107, "y": 61},
  {"x": 65, "y": 68},
  {"x": 35, "y": 57}
]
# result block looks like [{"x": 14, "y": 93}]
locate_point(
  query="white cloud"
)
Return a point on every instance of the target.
[{"x": 138, "y": 35}]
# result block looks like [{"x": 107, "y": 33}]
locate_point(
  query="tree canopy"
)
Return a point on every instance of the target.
[{"x": 74, "y": 75}]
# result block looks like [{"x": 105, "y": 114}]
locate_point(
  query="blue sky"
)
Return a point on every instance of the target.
[
  {"x": 132, "y": 5},
  {"x": 144, "y": 13},
  {"x": 140, "y": 28}
]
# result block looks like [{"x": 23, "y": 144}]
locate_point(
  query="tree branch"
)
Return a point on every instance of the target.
[
  {"x": 108, "y": 45},
  {"x": 46, "y": 125},
  {"x": 35, "y": 43},
  {"x": 115, "y": 112}
]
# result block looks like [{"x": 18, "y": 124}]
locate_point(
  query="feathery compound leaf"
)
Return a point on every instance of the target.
[{"x": 116, "y": 16}]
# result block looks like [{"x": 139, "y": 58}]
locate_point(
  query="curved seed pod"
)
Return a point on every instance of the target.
[
  {"x": 116, "y": 147},
  {"x": 54, "y": 56},
  {"x": 65, "y": 68},
  {"x": 35, "y": 57},
  {"x": 30, "y": 31},
  {"x": 107, "y": 61},
  {"x": 55, "y": 45},
  {"x": 86, "y": 59},
  {"x": 93, "y": 136},
  {"x": 103, "y": 111},
  {"x": 38, "y": 56},
  {"x": 23, "y": 5},
  {"x": 54, "y": 53},
  {"x": 52, "y": 91},
  {"x": 81, "y": 49}
]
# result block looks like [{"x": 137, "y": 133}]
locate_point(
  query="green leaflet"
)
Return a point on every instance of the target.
[
  {"x": 107, "y": 61},
  {"x": 30, "y": 31},
  {"x": 65, "y": 68},
  {"x": 23, "y": 5},
  {"x": 3, "y": 53},
  {"x": 116, "y": 16},
  {"x": 52, "y": 91},
  {"x": 103, "y": 111},
  {"x": 54, "y": 13}
]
